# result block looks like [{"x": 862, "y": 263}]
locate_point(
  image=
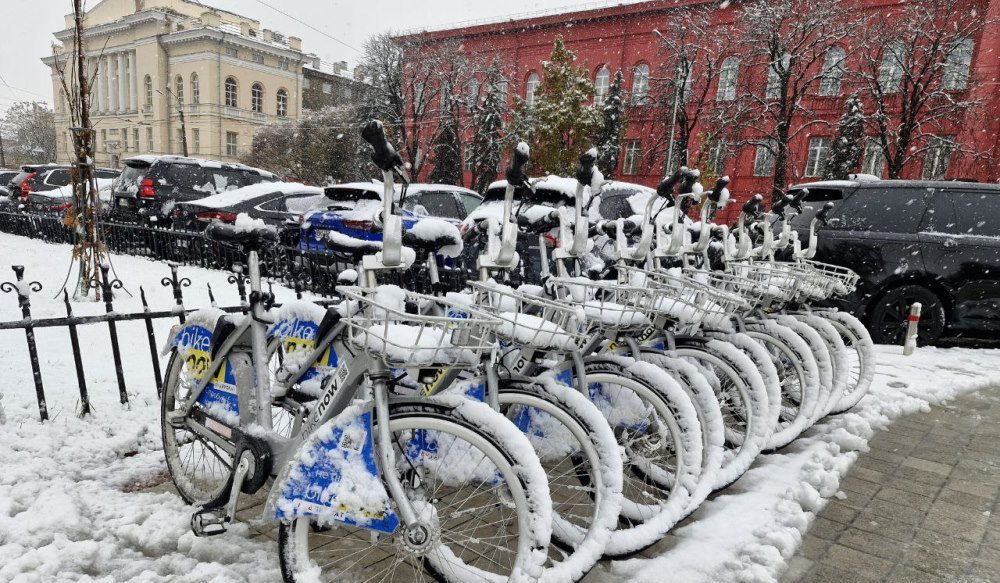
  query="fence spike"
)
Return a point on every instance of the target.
[
  {"x": 154, "y": 355},
  {"x": 74, "y": 340},
  {"x": 23, "y": 290}
]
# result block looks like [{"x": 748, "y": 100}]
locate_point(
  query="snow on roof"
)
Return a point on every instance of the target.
[
  {"x": 412, "y": 189},
  {"x": 238, "y": 195},
  {"x": 561, "y": 184},
  {"x": 828, "y": 184},
  {"x": 149, "y": 159}
]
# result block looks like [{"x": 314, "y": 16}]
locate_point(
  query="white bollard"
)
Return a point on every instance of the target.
[{"x": 910, "y": 342}]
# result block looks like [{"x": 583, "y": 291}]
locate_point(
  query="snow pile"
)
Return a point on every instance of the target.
[{"x": 747, "y": 534}]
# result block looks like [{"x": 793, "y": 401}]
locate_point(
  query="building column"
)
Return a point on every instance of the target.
[
  {"x": 122, "y": 88},
  {"x": 101, "y": 84},
  {"x": 134, "y": 86},
  {"x": 112, "y": 84}
]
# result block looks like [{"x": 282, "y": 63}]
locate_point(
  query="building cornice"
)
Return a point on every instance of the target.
[
  {"x": 196, "y": 34},
  {"x": 120, "y": 25},
  {"x": 207, "y": 55}
]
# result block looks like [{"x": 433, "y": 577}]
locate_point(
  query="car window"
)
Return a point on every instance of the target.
[
  {"x": 129, "y": 179},
  {"x": 470, "y": 202},
  {"x": 818, "y": 194},
  {"x": 976, "y": 213},
  {"x": 58, "y": 177},
  {"x": 615, "y": 206},
  {"x": 183, "y": 176},
  {"x": 887, "y": 210},
  {"x": 107, "y": 174},
  {"x": 299, "y": 204},
  {"x": 434, "y": 204}
]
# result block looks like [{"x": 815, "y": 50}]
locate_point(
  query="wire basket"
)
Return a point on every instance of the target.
[
  {"x": 736, "y": 295},
  {"x": 607, "y": 305},
  {"x": 382, "y": 327},
  {"x": 776, "y": 283},
  {"x": 675, "y": 296},
  {"x": 531, "y": 321},
  {"x": 846, "y": 279}
]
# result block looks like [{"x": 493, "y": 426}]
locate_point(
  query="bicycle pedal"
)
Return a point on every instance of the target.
[{"x": 208, "y": 523}]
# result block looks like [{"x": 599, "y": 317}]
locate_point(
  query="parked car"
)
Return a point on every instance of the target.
[
  {"x": 6, "y": 175},
  {"x": 57, "y": 200},
  {"x": 350, "y": 214},
  {"x": 937, "y": 243},
  {"x": 280, "y": 204},
  {"x": 150, "y": 186},
  {"x": 35, "y": 178}
]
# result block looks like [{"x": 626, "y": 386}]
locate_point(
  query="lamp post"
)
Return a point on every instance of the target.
[{"x": 180, "y": 110}]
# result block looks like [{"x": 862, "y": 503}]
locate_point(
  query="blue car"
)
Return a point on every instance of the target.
[{"x": 349, "y": 220}]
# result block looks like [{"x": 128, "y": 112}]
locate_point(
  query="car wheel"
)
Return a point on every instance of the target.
[{"x": 890, "y": 313}]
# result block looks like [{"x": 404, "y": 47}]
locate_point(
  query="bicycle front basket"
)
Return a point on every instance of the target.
[{"x": 391, "y": 324}]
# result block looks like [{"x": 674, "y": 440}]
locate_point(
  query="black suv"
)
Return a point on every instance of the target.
[
  {"x": 937, "y": 243},
  {"x": 150, "y": 186}
]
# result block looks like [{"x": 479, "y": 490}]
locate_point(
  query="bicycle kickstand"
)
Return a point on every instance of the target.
[{"x": 209, "y": 521}]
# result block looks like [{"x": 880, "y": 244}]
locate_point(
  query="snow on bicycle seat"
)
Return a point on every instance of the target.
[
  {"x": 247, "y": 232},
  {"x": 435, "y": 235},
  {"x": 533, "y": 331}
]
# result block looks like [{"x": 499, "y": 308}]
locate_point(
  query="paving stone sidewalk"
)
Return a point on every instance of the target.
[{"x": 921, "y": 507}]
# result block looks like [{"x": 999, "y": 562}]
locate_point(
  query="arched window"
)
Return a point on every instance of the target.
[
  {"x": 282, "y": 103},
  {"x": 195, "y": 89},
  {"x": 727, "y": 79},
  {"x": 179, "y": 89},
  {"x": 147, "y": 85},
  {"x": 232, "y": 91},
  {"x": 257, "y": 97},
  {"x": 774, "y": 73},
  {"x": 531, "y": 87},
  {"x": 640, "y": 83},
  {"x": 890, "y": 70},
  {"x": 601, "y": 83},
  {"x": 833, "y": 72}
]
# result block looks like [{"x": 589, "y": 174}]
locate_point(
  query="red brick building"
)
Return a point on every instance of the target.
[{"x": 622, "y": 38}]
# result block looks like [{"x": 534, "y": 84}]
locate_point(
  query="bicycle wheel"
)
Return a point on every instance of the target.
[
  {"x": 709, "y": 418},
  {"x": 480, "y": 494},
  {"x": 798, "y": 375},
  {"x": 657, "y": 428},
  {"x": 824, "y": 362},
  {"x": 200, "y": 460},
  {"x": 860, "y": 357},
  {"x": 838, "y": 356},
  {"x": 581, "y": 458},
  {"x": 743, "y": 399}
]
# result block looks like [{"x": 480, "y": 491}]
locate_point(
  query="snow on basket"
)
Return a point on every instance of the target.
[
  {"x": 531, "y": 321},
  {"x": 383, "y": 327},
  {"x": 607, "y": 304}
]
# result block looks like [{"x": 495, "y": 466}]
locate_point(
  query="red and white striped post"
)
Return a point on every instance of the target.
[{"x": 910, "y": 342}]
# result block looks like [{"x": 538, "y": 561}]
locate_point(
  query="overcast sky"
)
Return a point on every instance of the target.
[{"x": 29, "y": 24}]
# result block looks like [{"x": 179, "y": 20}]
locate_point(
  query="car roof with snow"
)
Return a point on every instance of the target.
[
  {"x": 149, "y": 160},
  {"x": 373, "y": 190},
  {"x": 866, "y": 182},
  {"x": 561, "y": 185},
  {"x": 253, "y": 191}
]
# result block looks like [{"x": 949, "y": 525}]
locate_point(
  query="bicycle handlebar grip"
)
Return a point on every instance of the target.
[
  {"x": 689, "y": 178},
  {"x": 383, "y": 155},
  {"x": 824, "y": 213},
  {"x": 515, "y": 173},
  {"x": 585, "y": 174},
  {"x": 716, "y": 192},
  {"x": 796, "y": 202},
  {"x": 779, "y": 205},
  {"x": 666, "y": 187}
]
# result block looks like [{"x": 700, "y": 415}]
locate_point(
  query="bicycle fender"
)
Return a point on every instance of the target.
[
  {"x": 194, "y": 340},
  {"x": 334, "y": 477}
]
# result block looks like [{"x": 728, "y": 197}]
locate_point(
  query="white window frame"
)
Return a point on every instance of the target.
[
  {"x": 818, "y": 153},
  {"x": 602, "y": 83},
  {"x": 763, "y": 160},
  {"x": 281, "y": 98},
  {"x": 257, "y": 97},
  {"x": 640, "y": 84},
  {"x": 938, "y": 157},
  {"x": 232, "y": 144},
  {"x": 196, "y": 141},
  {"x": 195, "y": 89},
  {"x": 833, "y": 72},
  {"x": 232, "y": 92},
  {"x": 531, "y": 87},
  {"x": 890, "y": 70},
  {"x": 728, "y": 76},
  {"x": 630, "y": 160},
  {"x": 179, "y": 89},
  {"x": 874, "y": 161},
  {"x": 957, "y": 65}
]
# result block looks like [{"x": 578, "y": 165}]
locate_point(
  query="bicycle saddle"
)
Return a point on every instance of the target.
[{"x": 248, "y": 238}]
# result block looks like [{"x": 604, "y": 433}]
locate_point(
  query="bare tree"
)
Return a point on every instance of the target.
[
  {"x": 792, "y": 41},
  {"x": 30, "y": 131},
  {"x": 915, "y": 67},
  {"x": 407, "y": 76},
  {"x": 76, "y": 83}
]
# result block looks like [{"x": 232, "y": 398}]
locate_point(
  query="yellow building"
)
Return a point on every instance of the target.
[{"x": 151, "y": 58}]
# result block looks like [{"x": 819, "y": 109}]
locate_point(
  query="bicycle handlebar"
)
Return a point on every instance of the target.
[
  {"x": 715, "y": 195},
  {"x": 823, "y": 215},
  {"x": 515, "y": 173},
  {"x": 383, "y": 154},
  {"x": 753, "y": 206},
  {"x": 585, "y": 174}
]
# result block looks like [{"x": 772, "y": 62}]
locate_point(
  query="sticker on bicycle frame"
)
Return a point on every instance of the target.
[
  {"x": 301, "y": 336},
  {"x": 219, "y": 398},
  {"x": 336, "y": 479},
  {"x": 612, "y": 403}
]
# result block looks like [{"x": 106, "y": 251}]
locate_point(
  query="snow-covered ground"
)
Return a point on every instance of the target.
[{"x": 73, "y": 505}]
